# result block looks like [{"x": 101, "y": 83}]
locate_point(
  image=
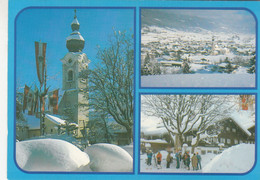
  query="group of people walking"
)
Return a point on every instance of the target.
[{"x": 181, "y": 160}]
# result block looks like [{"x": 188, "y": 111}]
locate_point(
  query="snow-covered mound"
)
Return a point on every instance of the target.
[
  {"x": 49, "y": 155},
  {"x": 129, "y": 148},
  {"x": 236, "y": 159},
  {"x": 109, "y": 158}
]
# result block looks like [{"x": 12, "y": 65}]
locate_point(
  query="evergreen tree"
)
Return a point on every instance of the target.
[
  {"x": 186, "y": 66},
  {"x": 252, "y": 62},
  {"x": 179, "y": 52},
  {"x": 226, "y": 60},
  {"x": 157, "y": 69},
  {"x": 145, "y": 67},
  {"x": 229, "y": 67},
  {"x": 147, "y": 60}
]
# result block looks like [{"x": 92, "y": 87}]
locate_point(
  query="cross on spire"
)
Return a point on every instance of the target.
[{"x": 75, "y": 16}]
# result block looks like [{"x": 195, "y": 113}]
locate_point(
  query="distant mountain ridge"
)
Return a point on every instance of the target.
[{"x": 170, "y": 18}]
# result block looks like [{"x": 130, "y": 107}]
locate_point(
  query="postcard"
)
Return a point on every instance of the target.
[{"x": 133, "y": 89}]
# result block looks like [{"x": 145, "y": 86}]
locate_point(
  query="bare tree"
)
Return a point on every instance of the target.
[
  {"x": 181, "y": 114},
  {"x": 111, "y": 82}
]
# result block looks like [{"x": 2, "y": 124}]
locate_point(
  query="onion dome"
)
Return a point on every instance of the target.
[{"x": 75, "y": 42}]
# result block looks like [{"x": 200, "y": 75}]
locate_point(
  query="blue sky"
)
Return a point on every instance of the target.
[{"x": 52, "y": 25}]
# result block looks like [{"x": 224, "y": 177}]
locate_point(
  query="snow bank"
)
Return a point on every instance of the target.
[
  {"x": 236, "y": 159},
  {"x": 129, "y": 148},
  {"x": 49, "y": 155},
  {"x": 109, "y": 158}
]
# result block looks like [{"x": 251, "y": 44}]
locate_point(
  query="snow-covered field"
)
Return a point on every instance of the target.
[
  {"x": 199, "y": 80},
  {"x": 236, "y": 159},
  {"x": 61, "y": 156}
]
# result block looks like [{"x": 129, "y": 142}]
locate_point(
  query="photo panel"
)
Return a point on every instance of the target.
[
  {"x": 197, "y": 48},
  {"x": 197, "y": 133},
  {"x": 74, "y": 89}
]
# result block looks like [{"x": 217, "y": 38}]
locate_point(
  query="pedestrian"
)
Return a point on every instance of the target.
[
  {"x": 184, "y": 158},
  {"x": 188, "y": 161},
  {"x": 149, "y": 157},
  {"x": 194, "y": 162},
  {"x": 177, "y": 155},
  {"x": 159, "y": 159},
  {"x": 180, "y": 155},
  {"x": 168, "y": 160},
  {"x": 199, "y": 161}
]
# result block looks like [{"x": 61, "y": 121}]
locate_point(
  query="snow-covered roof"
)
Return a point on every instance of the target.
[
  {"x": 154, "y": 141},
  {"x": 244, "y": 119},
  {"x": 33, "y": 122},
  {"x": 55, "y": 119}
]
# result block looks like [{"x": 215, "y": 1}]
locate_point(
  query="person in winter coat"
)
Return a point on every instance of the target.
[
  {"x": 149, "y": 156},
  {"x": 194, "y": 162},
  {"x": 168, "y": 160},
  {"x": 184, "y": 158},
  {"x": 180, "y": 155},
  {"x": 199, "y": 161},
  {"x": 177, "y": 155},
  {"x": 188, "y": 161},
  {"x": 159, "y": 158}
]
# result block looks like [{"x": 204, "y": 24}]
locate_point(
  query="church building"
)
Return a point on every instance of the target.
[{"x": 74, "y": 102}]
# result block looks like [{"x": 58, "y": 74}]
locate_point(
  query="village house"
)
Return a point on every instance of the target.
[{"x": 236, "y": 128}]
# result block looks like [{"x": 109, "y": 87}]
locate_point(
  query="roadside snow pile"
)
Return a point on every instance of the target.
[
  {"x": 49, "y": 155},
  {"x": 236, "y": 159},
  {"x": 109, "y": 158}
]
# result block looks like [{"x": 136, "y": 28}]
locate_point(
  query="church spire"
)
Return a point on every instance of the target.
[
  {"x": 75, "y": 42},
  {"x": 75, "y": 11}
]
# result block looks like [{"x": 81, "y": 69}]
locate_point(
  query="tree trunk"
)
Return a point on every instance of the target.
[
  {"x": 196, "y": 144},
  {"x": 178, "y": 142},
  {"x": 129, "y": 134}
]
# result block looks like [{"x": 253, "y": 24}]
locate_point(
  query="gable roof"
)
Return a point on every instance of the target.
[
  {"x": 55, "y": 119},
  {"x": 244, "y": 119}
]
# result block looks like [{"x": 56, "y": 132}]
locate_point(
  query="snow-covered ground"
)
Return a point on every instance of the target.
[
  {"x": 49, "y": 155},
  {"x": 199, "y": 80},
  {"x": 236, "y": 159},
  {"x": 62, "y": 156},
  {"x": 109, "y": 158}
]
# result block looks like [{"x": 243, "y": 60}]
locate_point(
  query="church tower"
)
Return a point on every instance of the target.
[{"x": 74, "y": 102}]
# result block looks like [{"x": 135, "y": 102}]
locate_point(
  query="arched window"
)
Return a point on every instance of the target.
[{"x": 70, "y": 75}]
